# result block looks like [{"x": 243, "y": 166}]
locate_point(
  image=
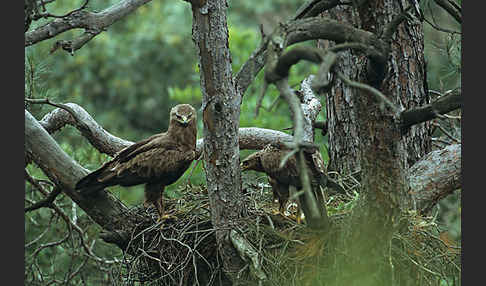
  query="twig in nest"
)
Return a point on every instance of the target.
[{"x": 446, "y": 133}]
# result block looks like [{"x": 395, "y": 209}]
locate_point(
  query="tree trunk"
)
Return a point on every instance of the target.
[
  {"x": 406, "y": 80},
  {"x": 341, "y": 119},
  {"x": 221, "y": 113},
  {"x": 365, "y": 136}
]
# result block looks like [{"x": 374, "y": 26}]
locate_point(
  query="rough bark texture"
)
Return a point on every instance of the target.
[
  {"x": 103, "y": 208},
  {"x": 436, "y": 176},
  {"x": 406, "y": 79},
  {"x": 221, "y": 112},
  {"x": 101, "y": 139},
  {"x": 365, "y": 135},
  {"x": 385, "y": 153},
  {"x": 342, "y": 122}
]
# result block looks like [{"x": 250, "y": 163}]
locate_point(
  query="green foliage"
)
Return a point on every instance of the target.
[{"x": 442, "y": 49}]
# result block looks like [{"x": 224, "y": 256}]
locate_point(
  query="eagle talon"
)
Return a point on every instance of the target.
[{"x": 275, "y": 212}]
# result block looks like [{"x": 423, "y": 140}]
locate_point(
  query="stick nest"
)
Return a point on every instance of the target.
[{"x": 182, "y": 249}]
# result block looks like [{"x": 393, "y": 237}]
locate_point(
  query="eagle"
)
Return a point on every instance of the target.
[
  {"x": 156, "y": 161},
  {"x": 268, "y": 161}
]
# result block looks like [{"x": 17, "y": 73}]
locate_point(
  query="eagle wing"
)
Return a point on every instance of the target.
[
  {"x": 137, "y": 148},
  {"x": 163, "y": 165},
  {"x": 271, "y": 159},
  {"x": 157, "y": 158}
]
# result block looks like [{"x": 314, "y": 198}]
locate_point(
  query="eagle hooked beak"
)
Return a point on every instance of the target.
[
  {"x": 184, "y": 120},
  {"x": 243, "y": 166}
]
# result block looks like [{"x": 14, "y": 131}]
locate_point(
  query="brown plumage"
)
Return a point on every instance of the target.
[
  {"x": 157, "y": 161},
  {"x": 268, "y": 161}
]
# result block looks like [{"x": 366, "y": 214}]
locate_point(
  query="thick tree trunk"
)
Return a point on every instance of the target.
[
  {"x": 341, "y": 119},
  {"x": 221, "y": 113},
  {"x": 406, "y": 81},
  {"x": 365, "y": 136},
  {"x": 386, "y": 154}
]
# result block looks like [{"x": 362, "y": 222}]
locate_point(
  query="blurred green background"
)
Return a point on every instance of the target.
[{"x": 129, "y": 77}]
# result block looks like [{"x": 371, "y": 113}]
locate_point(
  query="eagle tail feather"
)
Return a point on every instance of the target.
[{"x": 92, "y": 182}]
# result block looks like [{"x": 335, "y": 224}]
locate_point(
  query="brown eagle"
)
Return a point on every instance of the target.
[
  {"x": 157, "y": 161},
  {"x": 268, "y": 161}
]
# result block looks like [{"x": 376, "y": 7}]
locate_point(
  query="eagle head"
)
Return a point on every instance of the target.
[
  {"x": 183, "y": 114},
  {"x": 252, "y": 162}
]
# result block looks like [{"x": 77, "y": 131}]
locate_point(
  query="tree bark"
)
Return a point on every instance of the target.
[
  {"x": 221, "y": 112},
  {"x": 365, "y": 135},
  {"x": 102, "y": 207},
  {"x": 341, "y": 119},
  {"x": 408, "y": 66},
  {"x": 385, "y": 154},
  {"x": 437, "y": 175}
]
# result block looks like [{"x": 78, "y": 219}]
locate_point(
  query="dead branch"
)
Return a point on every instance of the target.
[
  {"x": 46, "y": 202},
  {"x": 101, "y": 139},
  {"x": 451, "y": 9},
  {"x": 435, "y": 176},
  {"x": 64, "y": 172},
  {"x": 92, "y": 23},
  {"x": 338, "y": 32},
  {"x": 316, "y": 217},
  {"x": 313, "y": 8},
  {"x": 446, "y": 103},
  {"x": 301, "y": 29}
]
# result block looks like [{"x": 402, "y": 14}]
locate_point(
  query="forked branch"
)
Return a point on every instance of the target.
[{"x": 92, "y": 23}]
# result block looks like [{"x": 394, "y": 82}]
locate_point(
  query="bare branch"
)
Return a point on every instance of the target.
[
  {"x": 451, "y": 9},
  {"x": 304, "y": 29},
  {"x": 311, "y": 106},
  {"x": 332, "y": 30},
  {"x": 440, "y": 28},
  {"x": 450, "y": 136},
  {"x": 73, "y": 45},
  {"x": 444, "y": 104},
  {"x": 248, "y": 252},
  {"x": 435, "y": 176},
  {"x": 322, "y": 82},
  {"x": 316, "y": 215},
  {"x": 290, "y": 58},
  {"x": 101, "y": 139},
  {"x": 103, "y": 208},
  {"x": 50, "y": 197},
  {"x": 250, "y": 69},
  {"x": 93, "y": 23},
  {"x": 313, "y": 8},
  {"x": 249, "y": 138}
]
